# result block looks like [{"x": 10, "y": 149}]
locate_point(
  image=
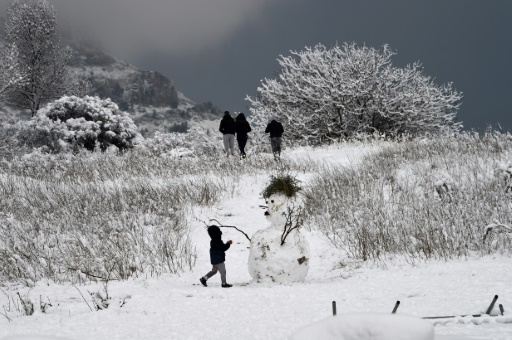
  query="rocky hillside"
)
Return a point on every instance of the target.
[{"x": 151, "y": 98}]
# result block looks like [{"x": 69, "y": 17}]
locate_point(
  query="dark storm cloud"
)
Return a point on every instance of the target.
[
  {"x": 219, "y": 50},
  {"x": 177, "y": 27},
  {"x": 172, "y": 26}
]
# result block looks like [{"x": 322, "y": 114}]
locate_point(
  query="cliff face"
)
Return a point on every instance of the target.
[{"x": 150, "y": 97}]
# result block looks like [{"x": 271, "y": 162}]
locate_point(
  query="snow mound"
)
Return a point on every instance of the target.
[
  {"x": 367, "y": 327},
  {"x": 271, "y": 261}
]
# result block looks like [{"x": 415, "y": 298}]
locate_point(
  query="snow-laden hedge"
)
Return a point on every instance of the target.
[{"x": 73, "y": 123}]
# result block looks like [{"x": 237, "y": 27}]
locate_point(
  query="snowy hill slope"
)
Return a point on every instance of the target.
[{"x": 178, "y": 307}]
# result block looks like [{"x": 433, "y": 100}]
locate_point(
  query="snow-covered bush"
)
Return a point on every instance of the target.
[
  {"x": 421, "y": 198},
  {"x": 324, "y": 94},
  {"x": 99, "y": 243},
  {"x": 73, "y": 123},
  {"x": 506, "y": 173},
  {"x": 28, "y": 305},
  {"x": 10, "y": 145},
  {"x": 445, "y": 186},
  {"x": 197, "y": 141}
]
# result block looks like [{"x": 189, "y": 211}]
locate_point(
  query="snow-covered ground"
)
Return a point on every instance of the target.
[{"x": 179, "y": 307}]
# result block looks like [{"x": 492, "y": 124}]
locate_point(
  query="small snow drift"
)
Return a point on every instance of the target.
[
  {"x": 274, "y": 256},
  {"x": 367, "y": 327}
]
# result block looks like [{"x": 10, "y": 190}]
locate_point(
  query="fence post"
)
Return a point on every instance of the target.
[
  {"x": 334, "y": 308},
  {"x": 491, "y": 306},
  {"x": 396, "y": 307}
]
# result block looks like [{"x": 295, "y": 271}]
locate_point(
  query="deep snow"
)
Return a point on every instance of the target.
[{"x": 179, "y": 307}]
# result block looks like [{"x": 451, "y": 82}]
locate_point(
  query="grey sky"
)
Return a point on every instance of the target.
[{"x": 219, "y": 50}]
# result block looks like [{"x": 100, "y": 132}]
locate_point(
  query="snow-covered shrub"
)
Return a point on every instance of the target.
[
  {"x": 101, "y": 242},
  {"x": 10, "y": 146},
  {"x": 197, "y": 141},
  {"x": 325, "y": 94},
  {"x": 445, "y": 186},
  {"x": 100, "y": 299},
  {"x": 388, "y": 205},
  {"x": 505, "y": 170},
  {"x": 494, "y": 229},
  {"x": 27, "y": 304},
  {"x": 73, "y": 123}
]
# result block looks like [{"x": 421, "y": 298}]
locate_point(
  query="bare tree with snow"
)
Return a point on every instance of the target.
[
  {"x": 11, "y": 74},
  {"x": 324, "y": 94},
  {"x": 32, "y": 27}
]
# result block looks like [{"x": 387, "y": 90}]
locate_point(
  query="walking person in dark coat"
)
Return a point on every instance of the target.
[
  {"x": 242, "y": 127},
  {"x": 227, "y": 127},
  {"x": 217, "y": 256},
  {"x": 276, "y": 130}
]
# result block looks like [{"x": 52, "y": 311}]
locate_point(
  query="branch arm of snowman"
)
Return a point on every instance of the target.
[
  {"x": 229, "y": 226},
  {"x": 294, "y": 220}
]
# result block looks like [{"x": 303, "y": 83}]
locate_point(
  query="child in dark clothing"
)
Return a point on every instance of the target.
[{"x": 217, "y": 256}]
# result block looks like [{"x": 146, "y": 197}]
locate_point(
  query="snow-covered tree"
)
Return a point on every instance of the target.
[
  {"x": 11, "y": 74},
  {"x": 32, "y": 27},
  {"x": 323, "y": 94},
  {"x": 72, "y": 123}
]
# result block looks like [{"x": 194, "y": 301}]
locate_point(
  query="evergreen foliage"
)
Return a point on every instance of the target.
[{"x": 282, "y": 184}]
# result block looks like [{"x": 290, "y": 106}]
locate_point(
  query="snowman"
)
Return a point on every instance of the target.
[{"x": 280, "y": 253}]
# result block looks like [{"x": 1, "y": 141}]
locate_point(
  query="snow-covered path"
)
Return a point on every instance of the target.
[{"x": 178, "y": 307}]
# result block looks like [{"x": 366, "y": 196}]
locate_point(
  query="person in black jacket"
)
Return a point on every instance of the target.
[
  {"x": 276, "y": 130},
  {"x": 242, "y": 127},
  {"x": 217, "y": 256},
  {"x": 227, "y": 127}
]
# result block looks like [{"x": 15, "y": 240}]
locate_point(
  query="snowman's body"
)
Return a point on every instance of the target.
[{"x": 269, "y": 260}]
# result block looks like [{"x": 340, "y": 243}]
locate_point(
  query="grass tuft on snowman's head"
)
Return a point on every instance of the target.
[{"x": 282, "y": 184}]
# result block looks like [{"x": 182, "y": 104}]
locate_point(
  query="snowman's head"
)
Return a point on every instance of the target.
[
  {"x": 276, "y": 209},
  {"x": 280, "y": 194}
]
